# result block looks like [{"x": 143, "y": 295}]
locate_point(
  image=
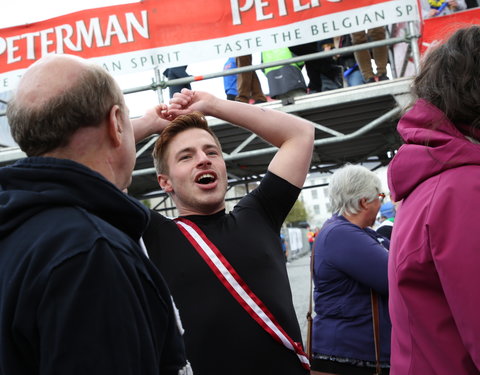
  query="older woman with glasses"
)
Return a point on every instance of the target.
[{"x": 350, "y": 261}]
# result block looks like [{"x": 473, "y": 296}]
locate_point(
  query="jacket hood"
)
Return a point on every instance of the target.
[
  {"x": 34, "y": 184},
  {"x": 432, "y": 145}
]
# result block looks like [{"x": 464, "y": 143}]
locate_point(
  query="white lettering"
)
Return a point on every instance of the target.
[
  {"x": 297, "y": 7},
  {"x": 3, "y": 46},
  {"x": 87, "y": 35},
  {"x": 11, "y": 48},
  {"x": 260, "y": 12},
  {"x": 65, "y": 40},
  {"x": 44, "y": 41},
  {"x": 132, "y": 23},
  {"x": 114, "y": 28},
  {"x": 30, "y": 38},
  {"x": 259, "y": 5},
  {"x": 282, "y": 8},
  {"x": 236, "y": 19}
]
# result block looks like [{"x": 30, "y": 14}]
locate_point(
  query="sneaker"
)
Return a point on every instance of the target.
[
  {"x": 383, "y": 77},
  {"x": 288, "y": 100}
]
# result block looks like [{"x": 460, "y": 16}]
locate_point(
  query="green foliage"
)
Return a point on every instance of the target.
[
  {"x": 297, "y": 214},
  {"x": 146, "y": 202}
]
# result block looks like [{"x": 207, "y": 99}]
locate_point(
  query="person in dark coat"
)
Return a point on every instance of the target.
[{"x": 77, "y": 292}]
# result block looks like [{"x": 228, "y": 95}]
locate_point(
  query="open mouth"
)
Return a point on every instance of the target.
[{"x": 205, "y": 179}]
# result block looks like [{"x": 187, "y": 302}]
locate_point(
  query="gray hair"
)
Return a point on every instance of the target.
[
  {"x": 87, "y": 102},
  {"x": 349, "y": 185}
]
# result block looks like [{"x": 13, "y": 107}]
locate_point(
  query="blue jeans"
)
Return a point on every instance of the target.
[{"x": 355, "y": 78}]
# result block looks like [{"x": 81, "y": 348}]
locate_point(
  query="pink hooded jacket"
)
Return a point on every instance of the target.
[{"x": 434, "y": 261}]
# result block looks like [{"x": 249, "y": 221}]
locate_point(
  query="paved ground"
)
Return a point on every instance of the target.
[{"x": 299, "y": 274}]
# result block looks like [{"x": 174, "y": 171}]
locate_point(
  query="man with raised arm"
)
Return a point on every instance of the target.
[{"x": 227, "y": 271}]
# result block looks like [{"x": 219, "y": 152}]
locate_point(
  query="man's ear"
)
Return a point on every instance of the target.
[
  {"x": 115, "y": 126},
  {"x": 363, "y": 203},
  {"x": 164, "y": 182}
]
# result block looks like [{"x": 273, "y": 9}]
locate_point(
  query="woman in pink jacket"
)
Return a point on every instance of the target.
[{"x": 434, "y": 262}]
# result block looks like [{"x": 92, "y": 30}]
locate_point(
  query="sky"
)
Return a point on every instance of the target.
[{"x": 21, "y": 12}]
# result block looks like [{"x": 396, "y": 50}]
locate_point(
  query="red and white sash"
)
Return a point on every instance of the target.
[{"x": 238, "y": 288}]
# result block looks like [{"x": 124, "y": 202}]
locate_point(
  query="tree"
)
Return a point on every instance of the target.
[
  {"x": 147, "y": 203},
  {"x": 298, "y": 214}
]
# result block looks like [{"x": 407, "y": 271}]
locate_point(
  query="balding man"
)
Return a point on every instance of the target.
[{"x": 77, "y": 293}]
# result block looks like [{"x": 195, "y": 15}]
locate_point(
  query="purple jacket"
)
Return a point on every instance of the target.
[
  {"x": 434, "y": 262},
  {"x": 348, "y": 262}
]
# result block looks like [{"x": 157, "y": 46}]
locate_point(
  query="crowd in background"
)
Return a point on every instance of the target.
[{"x": 92, "y": 281}]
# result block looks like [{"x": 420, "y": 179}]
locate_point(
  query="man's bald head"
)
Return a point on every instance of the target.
[
  {"x": 49, "y": 77},
  {"x": 58, "y": 95}
]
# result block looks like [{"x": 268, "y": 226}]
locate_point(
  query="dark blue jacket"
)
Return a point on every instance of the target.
[
  {"x": 230, "y": 82},
  {"x": 77, "y": 295},
  {"x": 348, "y": 262}
]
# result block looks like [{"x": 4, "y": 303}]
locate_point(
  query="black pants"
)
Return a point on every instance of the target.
[
  {"x": 315, "y": 68},
  {"x": 177, "y": 72},
  {"x": 333, "y": 367}
]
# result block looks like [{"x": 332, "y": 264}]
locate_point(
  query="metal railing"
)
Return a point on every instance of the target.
[{"x": 158, "y": 84}]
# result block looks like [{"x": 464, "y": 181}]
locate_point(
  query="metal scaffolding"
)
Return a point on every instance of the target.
[{"x": 353, "y": 124}]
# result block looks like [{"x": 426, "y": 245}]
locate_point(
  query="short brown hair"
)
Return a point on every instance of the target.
[
  {"x": 449, "y": 77},
  {"x": 38, "y": 130},
  {"x": 194, "y": 120}
]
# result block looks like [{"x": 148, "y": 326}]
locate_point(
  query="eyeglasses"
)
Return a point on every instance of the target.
[{"x": 381, "y": 196}]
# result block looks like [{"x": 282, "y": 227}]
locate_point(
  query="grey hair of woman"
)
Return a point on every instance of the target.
[{"x": 349, "y": 185}]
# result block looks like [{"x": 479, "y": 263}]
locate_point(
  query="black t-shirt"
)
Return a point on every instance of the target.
[{"x": 220, "y": 336}]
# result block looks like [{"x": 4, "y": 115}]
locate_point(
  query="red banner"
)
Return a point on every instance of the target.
[
  {"x": 140, "y": 36},
  {"x": 437, "y": 29}
]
